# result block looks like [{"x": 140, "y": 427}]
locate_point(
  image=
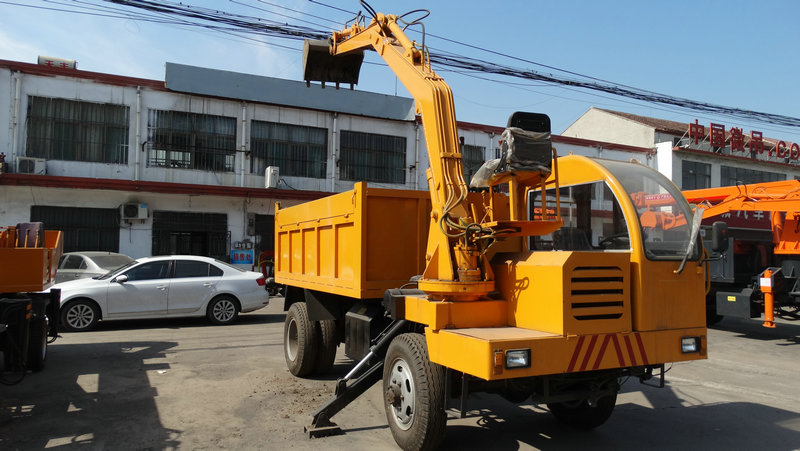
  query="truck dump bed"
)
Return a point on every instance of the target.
[
  {"x": 331, "y": 244},
  {"x": 28, "y": 257}
]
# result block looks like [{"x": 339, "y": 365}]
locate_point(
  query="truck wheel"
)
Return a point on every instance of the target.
[
  {"x": 37, "y": 345},
  {"x": 80, "y": 315},
  {"x": 222, "y": 311},
  {"x": 581, "y": 415},
  {"x": 326, "y": 348},
  {"x": 414, "y": 395},
  {"x": 299, "y": 340}
]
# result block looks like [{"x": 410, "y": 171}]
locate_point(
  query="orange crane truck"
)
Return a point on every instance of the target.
[
  {"x": 28, "y": 317},
  {"x": 545, "y": 284},
  {"x": 760, "y": 270}
]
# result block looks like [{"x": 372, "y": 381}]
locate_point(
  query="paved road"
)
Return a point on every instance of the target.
[{"x": 185, "y": 384}]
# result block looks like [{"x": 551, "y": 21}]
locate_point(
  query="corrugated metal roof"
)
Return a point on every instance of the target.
[
  {"x": 256, "y": 88},
  {"x": 662, "y": 125}
]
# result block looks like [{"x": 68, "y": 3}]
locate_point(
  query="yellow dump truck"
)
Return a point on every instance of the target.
[
  {"x": 548, "y": 282},
  {"x": 28, "y": 317}
]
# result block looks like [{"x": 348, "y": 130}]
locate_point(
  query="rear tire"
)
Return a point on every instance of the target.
[
  {"x": 581, "y": 415},
  {"x": 37, "y": 345},
  {"x": 414, "y": 395},
  {"x": 299, "y": 340},
  {"x": 326, "y": 348},
  {"x": 223, "y": 311}
]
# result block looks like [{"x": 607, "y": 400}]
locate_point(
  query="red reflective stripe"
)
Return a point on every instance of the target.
[
  {"x": 601, "y": 352},
  {"x": 630, "y": 350},
  {"x": 575, "y": 354},
  {"x": 641, "y": 348},
  {"x": 588, "y": 353},
  {"x": 620, "y": 357}
]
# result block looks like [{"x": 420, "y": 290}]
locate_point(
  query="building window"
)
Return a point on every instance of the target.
[
  {"x": 695, "y": 175},
  {"x": 82, "y": 229},
  {"x": 177, "y": 232},
  {"x": 61, "y": 129},
  {"x": 731, "y": 176},
  {"x": 372, "y": 158},
  {"x": 471, "y": 159},
  {"x": 191, "y": 141},
  {"x": 297, "y": 150}
]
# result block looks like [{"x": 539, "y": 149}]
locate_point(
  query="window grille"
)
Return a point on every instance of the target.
[
  {"x": 731, "y": 176},
  {"x": 371, "y": 157},
  {"x": 82, "y": 229},
  {"x": 471, "y": 160},
  {"x": 695, "y": 175},
  {"x": 191, "y": 141},
  {"x": 61, "y": 129},
  {"x": 298, "y": 151}
]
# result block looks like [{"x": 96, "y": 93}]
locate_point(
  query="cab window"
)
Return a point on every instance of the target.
[{"x": 593, "y": 220}]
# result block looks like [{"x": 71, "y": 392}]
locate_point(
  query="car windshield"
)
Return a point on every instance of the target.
[
  {"x": 664, "y": 214},
  {"x": 111, "y": 262},
  {"x": 116, "y": 271}
]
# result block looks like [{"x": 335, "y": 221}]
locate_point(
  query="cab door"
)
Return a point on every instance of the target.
[{"x": 143, "y": 291}]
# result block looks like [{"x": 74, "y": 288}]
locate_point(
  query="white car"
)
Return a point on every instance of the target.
[
  {"x": 79, "y": 265},
  {"x": 163, "y": 287}
]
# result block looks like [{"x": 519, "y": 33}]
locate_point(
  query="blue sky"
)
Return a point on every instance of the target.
[{"x": 732, "y": 53}]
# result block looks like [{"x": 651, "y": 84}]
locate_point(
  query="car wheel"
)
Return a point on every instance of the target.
[
  {"x": 414, "y": 394},
  {"x": 300, "y": 341},
  {"x": 37, "y": 345},
  {"x": 223, "y": 310},
  {"x": 80, "y": 315},
  {"x": 326, "y": 355}
]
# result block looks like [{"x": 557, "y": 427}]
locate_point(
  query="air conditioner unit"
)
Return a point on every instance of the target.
[
  {"x": 28, "y": 165},
  {"x": 271, "y": 177},
  {"x": 133, "y": 211}
]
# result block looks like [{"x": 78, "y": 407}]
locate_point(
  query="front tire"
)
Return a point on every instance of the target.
[
  {"x": 414, "y": 395},
  {"x": 223, "y": 311},
  {"x": 80, "y": 315},
  {"x": 581, "y": 415},
  {"x": 300, "y": 341}
]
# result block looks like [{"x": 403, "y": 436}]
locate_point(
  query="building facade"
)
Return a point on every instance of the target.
[{"x": 194, "y": 164}]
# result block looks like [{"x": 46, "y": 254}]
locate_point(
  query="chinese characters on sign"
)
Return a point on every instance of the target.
[
  {"x": 717, "y": 139},
  {"x": 242, "y": 257}
]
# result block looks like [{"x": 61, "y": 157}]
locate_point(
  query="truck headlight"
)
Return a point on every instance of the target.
[
  {"x": 518, "y": 358},
  {"x": 690, "y": 344}
]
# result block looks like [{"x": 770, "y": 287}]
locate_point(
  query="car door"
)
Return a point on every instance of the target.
[
  {"x": 71, "y": 267},
  {"x": 193, "y": 284},
  {"x": 143, "y": 291}
]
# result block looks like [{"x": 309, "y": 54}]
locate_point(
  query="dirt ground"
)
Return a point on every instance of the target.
[{"x": 182, "y": 383}]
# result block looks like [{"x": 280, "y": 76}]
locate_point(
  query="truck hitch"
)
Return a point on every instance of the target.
[{"x": 321, "y": 424}]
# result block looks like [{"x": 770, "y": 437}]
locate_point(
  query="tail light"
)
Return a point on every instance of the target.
[{"x": 261, "y": 281}]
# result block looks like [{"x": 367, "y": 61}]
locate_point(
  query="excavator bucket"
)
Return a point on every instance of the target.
[{"x": 320, "y": 65}]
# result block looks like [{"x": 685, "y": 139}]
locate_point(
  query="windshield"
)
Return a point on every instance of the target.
[
  {"x": 116, "y": 271},
  {"x": 111, "y": 262},
  {"x": 664, "y": 215}
]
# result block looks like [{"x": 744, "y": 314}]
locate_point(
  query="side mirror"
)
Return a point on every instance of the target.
[
  {"x": 719, "y": 237},
  {"x": 121, "y": 278}
]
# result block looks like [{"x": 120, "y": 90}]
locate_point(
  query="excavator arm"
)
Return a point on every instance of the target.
[{"x": 457, "y": 267}]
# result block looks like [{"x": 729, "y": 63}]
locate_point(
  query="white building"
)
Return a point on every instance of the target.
[
  {"x": 695, "y": 155},
  {"x": 148, "y": 167}
]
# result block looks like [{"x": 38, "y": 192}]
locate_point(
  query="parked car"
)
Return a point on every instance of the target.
[
  {"x": 162, "y": 287},
  {"x": 79, "y": 265}
]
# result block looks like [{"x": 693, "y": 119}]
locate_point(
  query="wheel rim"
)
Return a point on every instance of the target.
[
  {"x": 80, "y": 316},
  {"x": 292, "y": 341},
  {"x": 224, "y": 310},
  {"x": 400, "y": 394}
]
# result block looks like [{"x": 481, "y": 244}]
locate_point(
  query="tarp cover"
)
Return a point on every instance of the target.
[{"x": 524, "y": 153}]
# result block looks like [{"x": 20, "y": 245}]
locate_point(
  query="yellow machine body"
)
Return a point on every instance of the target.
[{"x": 28, "y": 264}]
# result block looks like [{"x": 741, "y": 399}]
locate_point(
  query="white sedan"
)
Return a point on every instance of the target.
[{"x": 163, "y": 287}]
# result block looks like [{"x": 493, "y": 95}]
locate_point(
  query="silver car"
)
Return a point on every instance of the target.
[
  {"x": 79, "y": 265},
  {"x": 163, "y": 287}
]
